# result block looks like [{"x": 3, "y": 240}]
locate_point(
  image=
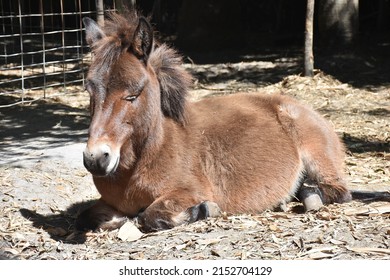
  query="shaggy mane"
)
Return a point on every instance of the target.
[{"x": 174, "y": 81}]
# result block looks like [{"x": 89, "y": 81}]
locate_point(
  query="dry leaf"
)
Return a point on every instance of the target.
[
  {"x": 18, "y": 236},
  {"x": 247, "y": 224},
  {"x": 326, "y": 216},
  {"x": 181, "y": 247},
  {"x": 320, "y": 255},
  {"x": 208, "y": 241},
  {"x": 276, "y": 240},
  {"x": 244, "y": 255},
  {"x": 279, "y": 215},
  {"x": 337, "y": 242},
  {"x": 367, "y": 210},
  {"x": 215, "y": 253},
  {"x": 11, "y": 250},
  {"x": 274, "y": 227},
  {"x": 129, "y": 232},
  {"x": 369, "y": 250}
]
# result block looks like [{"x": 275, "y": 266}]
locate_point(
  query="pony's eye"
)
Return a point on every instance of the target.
[
  {"x": 134, "y": 91},
  {"x": 131, "y": 98}
]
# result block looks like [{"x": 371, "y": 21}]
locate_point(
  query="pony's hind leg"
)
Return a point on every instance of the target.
[
  {"x": 320, "y": 150},
  {"x": 322, "y": 187},
  {"x": 326, "y": 172}
]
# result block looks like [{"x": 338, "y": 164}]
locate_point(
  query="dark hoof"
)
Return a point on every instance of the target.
[
  {"x": 203, "y": 211},
  {"x": 148, "y": 224},
  {"x": 311, "y": 197}
]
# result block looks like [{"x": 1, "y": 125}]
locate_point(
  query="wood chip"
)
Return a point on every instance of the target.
[
  {"x": 337, "y": 242},
  {"x": 274, "y": 227},
  {"x": 367, "y": 210},
  {"x": 208, "y": 241},
  {"x": 320, "y": 255},
  {"x": 12, "y": 251},
  {"x": 369, "y": 250},
  {"x": 215, "y": 252}
]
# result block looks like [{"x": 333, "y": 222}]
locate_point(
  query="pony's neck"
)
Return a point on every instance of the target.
[
  {"x": 144, "y": 146},
  {"x": 154, "y": 139}
]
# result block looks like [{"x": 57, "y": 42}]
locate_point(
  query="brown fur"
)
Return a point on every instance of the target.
[{"x": 245, "y": 152}]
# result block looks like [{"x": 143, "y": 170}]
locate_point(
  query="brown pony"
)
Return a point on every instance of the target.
[{"x": 155, "y": 156}]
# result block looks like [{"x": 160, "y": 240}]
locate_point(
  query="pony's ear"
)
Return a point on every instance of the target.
[
  {"x": 143, "y": 39},
  {"x": 92, "y": 30}
]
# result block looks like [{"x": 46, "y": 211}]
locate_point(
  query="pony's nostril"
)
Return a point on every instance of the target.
[{"x": 100, "y": 160}]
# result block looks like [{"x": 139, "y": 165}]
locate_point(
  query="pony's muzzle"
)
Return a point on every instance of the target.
[{"x": 100, "y": 160}]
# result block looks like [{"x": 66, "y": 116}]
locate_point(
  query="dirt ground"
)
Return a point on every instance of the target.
[{"x": 43, "y": 184}]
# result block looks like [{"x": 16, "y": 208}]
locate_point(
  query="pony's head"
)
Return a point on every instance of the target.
[{"x": 133, "y": 85}]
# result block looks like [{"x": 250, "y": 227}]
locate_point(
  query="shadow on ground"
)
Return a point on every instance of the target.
[
  {"x": 25, "y": 130},
  {"x": 258, "y": 69},
  {"x": 366, "y": 67},
  {"x": 361, "y": 145},
  {"x": 60, "y": 227}
]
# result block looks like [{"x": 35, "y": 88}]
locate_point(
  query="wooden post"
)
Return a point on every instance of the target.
[
  {"x": 100, "y": 12},
  {"x": 309, "y": 58}
]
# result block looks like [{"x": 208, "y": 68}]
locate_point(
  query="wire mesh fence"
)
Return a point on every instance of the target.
[{"x": 42, "y": 48}]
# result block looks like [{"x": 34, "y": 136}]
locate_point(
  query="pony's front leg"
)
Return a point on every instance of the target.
[
  {"x": 100, "y": 216},
  {"x": 168, "y": 213}
]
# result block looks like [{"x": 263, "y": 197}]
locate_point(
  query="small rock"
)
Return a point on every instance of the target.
[{"x": 129, "y": 232}]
